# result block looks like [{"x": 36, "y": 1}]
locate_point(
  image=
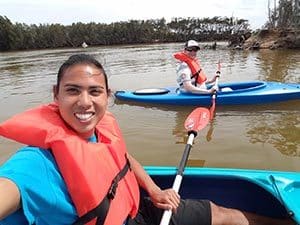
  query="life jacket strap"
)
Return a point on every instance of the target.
[
  {"x": 114, "y": 184},
  {"x": 196, "y": 75},
  {"x": 100, "y": 211}
]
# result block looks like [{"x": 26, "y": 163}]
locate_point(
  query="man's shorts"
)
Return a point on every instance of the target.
[{"x": 189, "y": 212}]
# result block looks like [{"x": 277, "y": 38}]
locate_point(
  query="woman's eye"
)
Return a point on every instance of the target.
[
  {"x": 72, "y": 91},
  {"x": 95, "y": 92}
]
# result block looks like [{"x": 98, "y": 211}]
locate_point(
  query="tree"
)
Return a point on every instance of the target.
[
  {"x": 6, "y": 28},
  {"x": 286, "y": 15}
]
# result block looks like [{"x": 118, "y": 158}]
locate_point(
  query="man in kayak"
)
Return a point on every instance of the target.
[
  {"x": 190, "y": 75},
  {"x": 76, "y": 170}
]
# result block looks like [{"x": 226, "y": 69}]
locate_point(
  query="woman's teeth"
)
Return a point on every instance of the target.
[{"x": 83, "y": 116}]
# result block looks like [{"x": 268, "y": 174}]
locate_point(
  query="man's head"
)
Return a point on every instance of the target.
[{"x": 191, "y": 47}]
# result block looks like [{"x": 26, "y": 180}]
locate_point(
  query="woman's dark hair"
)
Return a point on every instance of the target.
[{"x": 79, "y": 59}]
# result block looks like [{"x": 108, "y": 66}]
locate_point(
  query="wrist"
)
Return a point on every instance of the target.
[{"x": 154, "y": 191}]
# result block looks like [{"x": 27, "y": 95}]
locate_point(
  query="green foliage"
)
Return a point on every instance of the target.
[
  {"x": 21, "y": 36},
  {"x": 6, "y": 28}
]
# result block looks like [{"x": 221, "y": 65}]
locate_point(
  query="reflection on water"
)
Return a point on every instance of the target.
[
  {"x": 180, "y": 132},
  {"x": 281, "y": 65},
  {"x": 275, "y": 124},
  {"x": 209, "y": 134},
  {"x": 280, "y": 130},
  {"x": 262, "y": 137},
  {"x": 251, "y": 136}
]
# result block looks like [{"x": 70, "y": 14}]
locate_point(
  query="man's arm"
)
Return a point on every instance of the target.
[
  {"x": 213, "y": 79},
  {"x": 188, "y": 86}
]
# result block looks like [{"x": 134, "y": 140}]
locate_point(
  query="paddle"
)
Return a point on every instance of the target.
[
  {"x": 213, "y": 99},
  {"x": 196, "y": 121}
]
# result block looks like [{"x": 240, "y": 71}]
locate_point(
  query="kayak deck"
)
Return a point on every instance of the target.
[{"x": 252, "y": 92}]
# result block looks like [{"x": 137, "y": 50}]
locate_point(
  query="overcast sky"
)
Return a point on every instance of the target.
[{"x": 106, "y": 11}]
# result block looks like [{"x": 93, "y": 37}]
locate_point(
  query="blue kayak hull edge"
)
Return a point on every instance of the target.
[
  {"x": 268, "y": 193},
  {"x": 243, "y": 93}
]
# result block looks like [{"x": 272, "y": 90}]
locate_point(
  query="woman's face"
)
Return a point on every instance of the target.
[{"x": 82, "y": 98}]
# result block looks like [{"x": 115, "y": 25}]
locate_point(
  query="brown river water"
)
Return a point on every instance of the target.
[{"x": 257, "y": 137}]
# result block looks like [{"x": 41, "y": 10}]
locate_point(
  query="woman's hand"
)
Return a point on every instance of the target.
[{"x": 165, "y": 199}]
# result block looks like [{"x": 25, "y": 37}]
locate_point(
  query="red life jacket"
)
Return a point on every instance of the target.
[
  {"x": 194, "y": 65},
  {"x": 87, "y": 168}
]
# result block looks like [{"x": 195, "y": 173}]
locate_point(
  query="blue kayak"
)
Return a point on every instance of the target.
[
  {"x": 269, "y": 193},
  {"x": 239, "y": 93}
]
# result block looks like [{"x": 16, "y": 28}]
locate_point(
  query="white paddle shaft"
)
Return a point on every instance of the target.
[{"x": 165, "y": 220}]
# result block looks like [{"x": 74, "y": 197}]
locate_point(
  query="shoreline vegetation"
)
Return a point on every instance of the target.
[
  {"x": 282, "y": 30},
  {"x": 20, "y": 36}
]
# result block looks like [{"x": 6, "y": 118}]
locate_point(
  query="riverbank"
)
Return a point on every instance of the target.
[{"x": 273, "y": 39}]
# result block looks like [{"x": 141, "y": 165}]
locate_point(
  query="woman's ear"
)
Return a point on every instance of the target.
[
  {"x": 55, "y": 92},
  {"x": 109, "y": 92},
  {"x": 111, "y": 98}
]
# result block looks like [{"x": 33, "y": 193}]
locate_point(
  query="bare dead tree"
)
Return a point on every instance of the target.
[{"x": 286, "y": 15}]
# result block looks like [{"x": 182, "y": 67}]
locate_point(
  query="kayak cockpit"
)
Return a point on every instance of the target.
[
  {"x": 244, "y": 86},
  {"x": 227, "y": 191}
]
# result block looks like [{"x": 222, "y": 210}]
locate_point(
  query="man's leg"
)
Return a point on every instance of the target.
[{"x": 227, "y": 216}]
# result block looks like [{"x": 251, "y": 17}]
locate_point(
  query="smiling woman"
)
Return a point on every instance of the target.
[{"x": 82, "y": 96}]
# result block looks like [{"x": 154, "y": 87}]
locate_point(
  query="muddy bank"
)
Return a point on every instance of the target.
[{"x": 273, "y": 39}]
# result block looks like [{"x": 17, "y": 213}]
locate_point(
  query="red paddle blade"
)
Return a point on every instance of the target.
[{"x": 197, "y": 119}]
